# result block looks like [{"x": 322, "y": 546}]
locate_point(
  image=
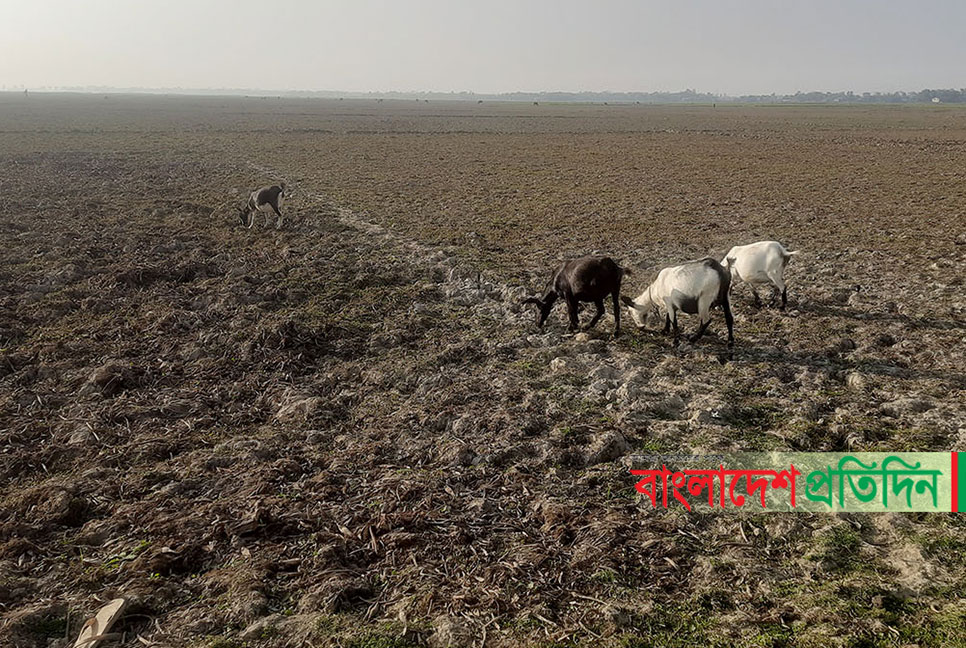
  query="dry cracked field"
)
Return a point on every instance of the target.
[{"x": 349, "y": 433}]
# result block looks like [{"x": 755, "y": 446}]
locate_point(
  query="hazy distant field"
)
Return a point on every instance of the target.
[{"x": 349, "y": 433}]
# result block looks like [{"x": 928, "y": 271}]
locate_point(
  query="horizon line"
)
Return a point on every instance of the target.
[{"x": 85, "y": 89}]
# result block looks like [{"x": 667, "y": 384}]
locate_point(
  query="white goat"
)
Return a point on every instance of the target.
[
  {"x": 761, "y": 263},
  {"x": 266, "y": 200},
  {"x": 693, "y": 287}
]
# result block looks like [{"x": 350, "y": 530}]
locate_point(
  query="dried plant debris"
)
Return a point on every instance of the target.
[{"x": 349, "y": 432}]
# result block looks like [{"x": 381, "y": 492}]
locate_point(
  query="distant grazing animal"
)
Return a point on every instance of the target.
[
  {"x": 761, "y": 263},
  {"x": 587, "y": 279},
  {"x": 266, "y": 199},
  {"x": 693, "y": 287}
]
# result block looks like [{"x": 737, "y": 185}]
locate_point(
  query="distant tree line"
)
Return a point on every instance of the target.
[
  {"x": 685, "y": 96},
  {"x": 944, "y": 95}
]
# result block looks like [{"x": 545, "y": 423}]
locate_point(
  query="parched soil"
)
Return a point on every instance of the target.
[{"x": 348, "y": 432}]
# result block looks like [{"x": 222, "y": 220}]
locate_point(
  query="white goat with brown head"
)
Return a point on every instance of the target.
[{"x": 266, "y": 200}]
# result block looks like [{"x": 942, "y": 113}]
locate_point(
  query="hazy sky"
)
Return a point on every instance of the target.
[{"x": 725, "y": 46}]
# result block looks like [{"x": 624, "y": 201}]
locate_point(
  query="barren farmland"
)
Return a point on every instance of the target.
[{"x": 349, "y": 432}]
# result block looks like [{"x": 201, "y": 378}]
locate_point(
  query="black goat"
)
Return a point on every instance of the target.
[{"x": 587, "y": 279}]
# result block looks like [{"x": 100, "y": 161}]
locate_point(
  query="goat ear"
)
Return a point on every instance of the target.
[
  {"x": 628, "y": 301},
  {"x": 531, "y": 300}
]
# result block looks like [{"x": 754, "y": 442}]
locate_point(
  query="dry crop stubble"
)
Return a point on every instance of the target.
[{"x": 348, "y": 433}]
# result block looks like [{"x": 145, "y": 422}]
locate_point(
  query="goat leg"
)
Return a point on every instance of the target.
[
  {"x": 600, "y": 313},
  {"x": 701, "y": 329},
  {"x": 572, "y": 312},
  {"x": 730, "y": 321},
  {"x": 617, "y": 313}
]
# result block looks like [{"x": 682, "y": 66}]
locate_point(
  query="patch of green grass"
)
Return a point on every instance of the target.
[
  {"x": 672, "y": 625},
  {"x": 605, "y": 575},
  {"x": 570, "y": 433},
  {"x": 810, "y": 430},
  {"x": 651, "y": 445},
  {"x": 524, "y": 623},
  {"x": 947, "y": 549},
  {"x": 642, "y": 342},
  {"x": 772, "y": 635},
  {"x": 840, "y": 550},
  {"x": 917, "y": 439},
  {"x": 939, "y": 630},
  {"x": 716, "y": 600},
  {"x": 220, "y": 642},
  {"x": 561, "y": 643},
  {"x": 115, "y": 561},
  {"x": 345, "y": 629},
  {"x": 752, "y": 413},
  {"x": 558, "y": 384},
  {"x": 590, "y": 406},
  {"x": 864, "y": 604},
  {"x": 328, "y": 625},
  {"x": 268, "y": 632},
  {"x": 529, "y": 367},
  {"x": 633, "y": 641},
  {"x": 785, "y": 589},
  {"x": 912, "y": 622}
]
